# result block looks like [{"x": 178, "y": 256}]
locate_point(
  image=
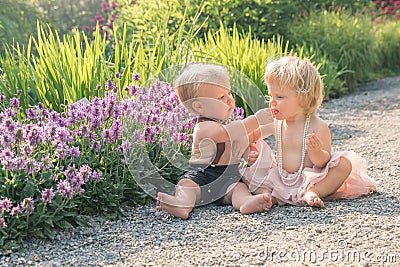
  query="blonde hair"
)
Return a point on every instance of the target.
[
  {"x": 187, "y": 84},
  {"x": 297, "y": 74}
]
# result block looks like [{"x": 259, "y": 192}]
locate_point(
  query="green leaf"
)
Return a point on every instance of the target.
[
  {"x": 83, "y": 220},
  {"x": 63, "y": 224},
  {"x": 29, "y": 189}
]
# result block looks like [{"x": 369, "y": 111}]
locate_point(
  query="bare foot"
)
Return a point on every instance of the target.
[
  {"x": 172, "y": 206},
  {"x": 257, "y": 203},
  {"x": 313, "y": 200}
]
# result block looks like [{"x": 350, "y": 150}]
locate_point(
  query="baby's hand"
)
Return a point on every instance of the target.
[
  {"x": 253, "y": 154},
  {"x": 313, "y": 143}
]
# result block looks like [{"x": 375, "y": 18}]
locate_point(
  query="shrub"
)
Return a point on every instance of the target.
[
  {"x": 66, "y": 15},
  {"x": 386, "y": 10},
  {"x": 59, "y": 167},
  {"x": 248, "y": 55},
  {"x": 346, "y": 39},
  {"x": 264, "y": 18},
  {"x": 68, "y": 68},
  {"x": 388, "y": 45},
  {"x": 17, "y": 22}
]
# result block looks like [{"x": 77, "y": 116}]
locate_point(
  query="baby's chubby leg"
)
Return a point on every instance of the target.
[
  {"x": 181, "y": 204},
  {"x": 332, "y": 182},
  {"x": 241, "y": 199}
]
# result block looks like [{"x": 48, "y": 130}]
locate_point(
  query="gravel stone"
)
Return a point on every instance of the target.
[{"x": 360, "y": 232}]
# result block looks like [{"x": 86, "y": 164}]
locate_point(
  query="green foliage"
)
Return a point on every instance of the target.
[
  {"x": 346, "y": 39},
  {"x": 65, "y": 15},
  {"x": 63, "y": 71},
  {"x": 244, "y": 54},
  {"x": 388, "y": 45},
  {"x": 17, "y": 22},
  {"x": 265, "y": 18},
  {"x": 69, "y": 68},
  {"x": 66, "y": 153},
  {"x": 328, "y": 69},
  {"x": 351, "y": 5},
  {"x": 248, "y": 55},
  {"x": 16, "y": 71}
]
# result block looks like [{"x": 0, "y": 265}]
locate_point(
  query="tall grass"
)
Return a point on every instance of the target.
[
  {"x": 61, "y": 69},
  {"x": 388, "y": 45},
  {"x": 245, "y": 54},
  {"x": 68, "y": 68},
  {"x": 16, "y": 74},
  {"x": 345, "y": 38}
]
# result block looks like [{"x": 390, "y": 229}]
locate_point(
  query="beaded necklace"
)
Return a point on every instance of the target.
[
  {"x": 293, "y": 180},
  {"x": 223, "y": 122}
]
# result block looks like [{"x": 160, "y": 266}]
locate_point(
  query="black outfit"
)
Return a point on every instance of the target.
[{"x": 213, "y": 180}]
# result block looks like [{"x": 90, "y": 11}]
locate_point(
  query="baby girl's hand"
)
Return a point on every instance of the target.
[
  {"x": 253, "y": 154},
  {"x": 313, "y": 143}
]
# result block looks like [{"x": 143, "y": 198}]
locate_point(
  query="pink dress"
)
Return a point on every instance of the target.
[{"x": 264, "y": 174}]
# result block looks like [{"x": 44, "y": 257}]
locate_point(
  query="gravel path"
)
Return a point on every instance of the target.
[{"x": 361, "y": 232}]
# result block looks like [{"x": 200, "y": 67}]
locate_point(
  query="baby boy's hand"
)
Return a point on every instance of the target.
[{"x": 313, "y": 143}]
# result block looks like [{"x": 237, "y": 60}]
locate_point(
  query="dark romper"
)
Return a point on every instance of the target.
[{"x": 213, "y": 180}]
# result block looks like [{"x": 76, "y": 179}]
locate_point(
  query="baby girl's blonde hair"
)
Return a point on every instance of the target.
[
  {"x": 298, "y": 74},
  {"x": 187, "y": 84}
]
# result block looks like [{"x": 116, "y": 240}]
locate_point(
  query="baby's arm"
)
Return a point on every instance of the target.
[
  {"x": 235, "y": 130},
  {"x": 249, "y": 124},
  {"x": 318, "y": 145},
  {"x": 261, "y": 132}
]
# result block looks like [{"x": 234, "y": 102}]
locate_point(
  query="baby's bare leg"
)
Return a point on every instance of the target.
[
  {"x": 241, "y": 199},
  {"x": 333, "y": 180},
  {"x": 183, "y": 202}
]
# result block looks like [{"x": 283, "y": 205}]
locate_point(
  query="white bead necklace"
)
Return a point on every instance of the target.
[{"x": 286, "y": 180}]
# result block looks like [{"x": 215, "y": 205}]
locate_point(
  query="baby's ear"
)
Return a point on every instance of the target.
[{"x": 197, "y": 106}]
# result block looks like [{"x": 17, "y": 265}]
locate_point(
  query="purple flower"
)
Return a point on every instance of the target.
[
  {"x": 64, "y": 188},
  {"x": 104, "y": 6},
  {"x": 61, "y": 151},
  {"x": 31, "y": 113},
  {"x": 116, "y": 129},
  {"x": 133, "y": 89},
  {"x": 110, "y": 85},
  {"x": 85, "y": 171},
  {"x": 14, "y": 102},
  {"x": 117, "y": 75},
  {"x": 16, "y": 210},
  {"x": 96, "y": 146},
  {"x": 6, "y": 205},
  {"x": 3, "y": 223},
  {"x": 239, "y": 113},
  {"x": 74, "y": 152},
  {"x": 6, "y": 154},
  {"x": 97, "y": 176},
  {"x": 45, "y": 163},
  {"x": 47, "y": 195},
  {"x": 136, "y": 77},
  {"x": 27, "y": 205},
  {"x": 31, "y": 165}
]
